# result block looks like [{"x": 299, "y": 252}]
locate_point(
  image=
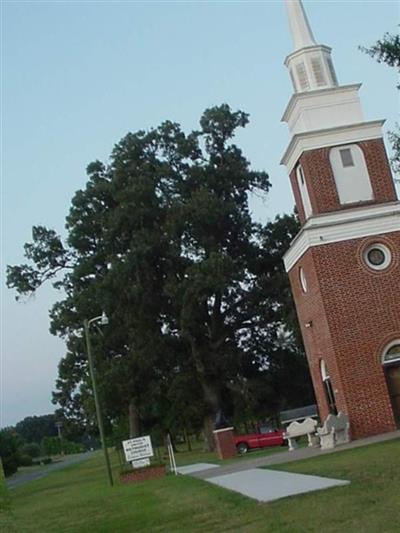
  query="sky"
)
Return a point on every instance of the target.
[{"x": 77, "y": 76}]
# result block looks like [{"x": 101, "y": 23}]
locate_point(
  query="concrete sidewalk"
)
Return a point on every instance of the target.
[
  {"x": 287, "y": 457},
  {"x": 268, "y": 485}
]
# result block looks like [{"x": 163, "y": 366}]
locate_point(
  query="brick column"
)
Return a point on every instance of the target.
[{"x": 225, "y": 442}]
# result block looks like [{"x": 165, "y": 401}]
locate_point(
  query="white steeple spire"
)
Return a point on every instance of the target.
[
  {"x": 299, "y": 26},
  {"x": 310, "y": 64},
  {"x": 319, "y": 103}
]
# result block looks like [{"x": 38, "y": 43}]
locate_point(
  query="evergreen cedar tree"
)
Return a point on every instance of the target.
[{"x": 200, "y": 312}]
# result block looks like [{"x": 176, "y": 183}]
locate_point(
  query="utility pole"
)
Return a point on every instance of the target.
[{"x": 86, "y": 325}]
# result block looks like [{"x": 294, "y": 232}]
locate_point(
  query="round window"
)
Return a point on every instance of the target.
[
  {"x": 303, "y": 280},
  {"x": 377, "y": 256}
]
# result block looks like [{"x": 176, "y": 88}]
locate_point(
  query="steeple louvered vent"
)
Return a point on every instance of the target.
[
  {"x": 302, "y": 76},
  {"x": 318, "y": 71},
  {"x": 292, "y": 78}
]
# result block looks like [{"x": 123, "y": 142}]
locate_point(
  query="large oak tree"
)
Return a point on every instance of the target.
[{"x": 162, "y": 239}]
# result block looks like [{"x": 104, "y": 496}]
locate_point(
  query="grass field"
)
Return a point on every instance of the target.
[
  {"x": 78, "y": 499},
  {"x": 6, "y": 518}
]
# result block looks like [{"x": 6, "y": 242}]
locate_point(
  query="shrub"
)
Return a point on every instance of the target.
[
  {"x": 32, "y": 449},
  {"x": 43, "y": 461},
  {"x": 50, "y": 446},
  {"x": 53, "y": 446},
  {"x": 9, "y": 444},
  {"x": 25, "y": 460},
  {"x": 10, "y": 466},
  {"x": 72, "y": 447}
]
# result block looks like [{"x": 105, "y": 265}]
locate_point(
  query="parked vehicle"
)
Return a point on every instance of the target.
[{"x": 262, "y": 439}]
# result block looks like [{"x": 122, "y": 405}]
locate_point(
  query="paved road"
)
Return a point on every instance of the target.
[
  {"x": 21, "y": 479},
  {"x": 287, "y": 457}
]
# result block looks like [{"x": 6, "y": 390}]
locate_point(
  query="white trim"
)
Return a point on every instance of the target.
[
  {"x": 386, "y": 255},
  {"x": 306, "y": 50},
  {"x": 341, "y": 226},
  {"x": 387, "y": 348},
  {"x": 324, "y": 370},
  {"x": 352, "y": 213},
  {"x": 305, "y": 197},
  {"x": 325, "y": 110},
  {"x": 303, "y": 279},
  {"x": 310, "y": 96},
  {"x": 223, "y": 429},
  {"x": 353, "y": 133}
]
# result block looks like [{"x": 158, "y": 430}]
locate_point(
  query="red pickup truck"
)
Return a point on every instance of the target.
[{"x": 270, "y": 437}]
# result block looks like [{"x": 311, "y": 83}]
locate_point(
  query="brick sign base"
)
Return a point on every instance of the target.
[
  {"x": 225, "y": 442},
  {"x": 142, "y": 474}
]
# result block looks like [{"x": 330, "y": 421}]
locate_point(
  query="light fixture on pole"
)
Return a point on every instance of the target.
[{"x": 103, "y": 320}]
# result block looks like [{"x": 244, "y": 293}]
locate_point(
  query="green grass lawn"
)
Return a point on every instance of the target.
[
  {"x": 7, "y": 522},
  {"x": 78, "y": 499}
]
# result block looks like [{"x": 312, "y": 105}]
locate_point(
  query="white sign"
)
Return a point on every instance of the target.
[
  {"x": 139, "y": 448},
  {"x": 140, "y": 463}
]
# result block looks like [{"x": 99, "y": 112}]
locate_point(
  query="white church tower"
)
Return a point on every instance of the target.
[{"x": 344, "y": 264}]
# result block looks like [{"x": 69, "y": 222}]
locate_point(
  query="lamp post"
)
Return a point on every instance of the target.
[
  {"x": 86, "y": 324},
  {"x": 59, "y": 425}
]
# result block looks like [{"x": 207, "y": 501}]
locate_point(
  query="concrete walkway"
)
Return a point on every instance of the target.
[
  {"x": 21, "y": 478},
  {"x": 197, "y": 467},
  {"x": 287, "y": 457},
  {"x": 269, "y": 485}
]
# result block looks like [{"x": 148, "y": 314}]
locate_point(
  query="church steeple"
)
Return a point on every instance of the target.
[
  {"x": 310, "y": 64},
  {"x": 318, "y": 102},
  {"x": 299, "y": 26}
]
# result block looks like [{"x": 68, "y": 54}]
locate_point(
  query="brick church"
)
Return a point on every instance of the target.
[{"x": 344, "y": 264}]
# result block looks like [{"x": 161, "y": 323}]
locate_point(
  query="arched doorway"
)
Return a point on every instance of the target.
[
  {"x": 329, "y": 394},
  {"x": 391, "y": 366}
]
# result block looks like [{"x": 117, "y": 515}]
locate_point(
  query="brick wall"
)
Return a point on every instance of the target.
[
  {"x": 354, "y": 312},
  {"x": 143, "y": 474},
  {"x": 321, "y": 183}
]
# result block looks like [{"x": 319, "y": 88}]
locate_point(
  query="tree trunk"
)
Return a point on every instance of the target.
[
  {"x": 208, "y": 428},
  {"x": 187, "y": 439},
  {"x": 134, "y": 420},
  {"x": 212, "y": 401},
  {"x": 211, "y": 395}
]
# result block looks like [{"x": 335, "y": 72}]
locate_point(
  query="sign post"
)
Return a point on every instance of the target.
[{"x": 171, "y": 455}]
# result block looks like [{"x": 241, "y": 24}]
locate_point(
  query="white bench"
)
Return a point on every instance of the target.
[
  {"x": 336, "y": 430},
  {"x": 300, "y": 429}
]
